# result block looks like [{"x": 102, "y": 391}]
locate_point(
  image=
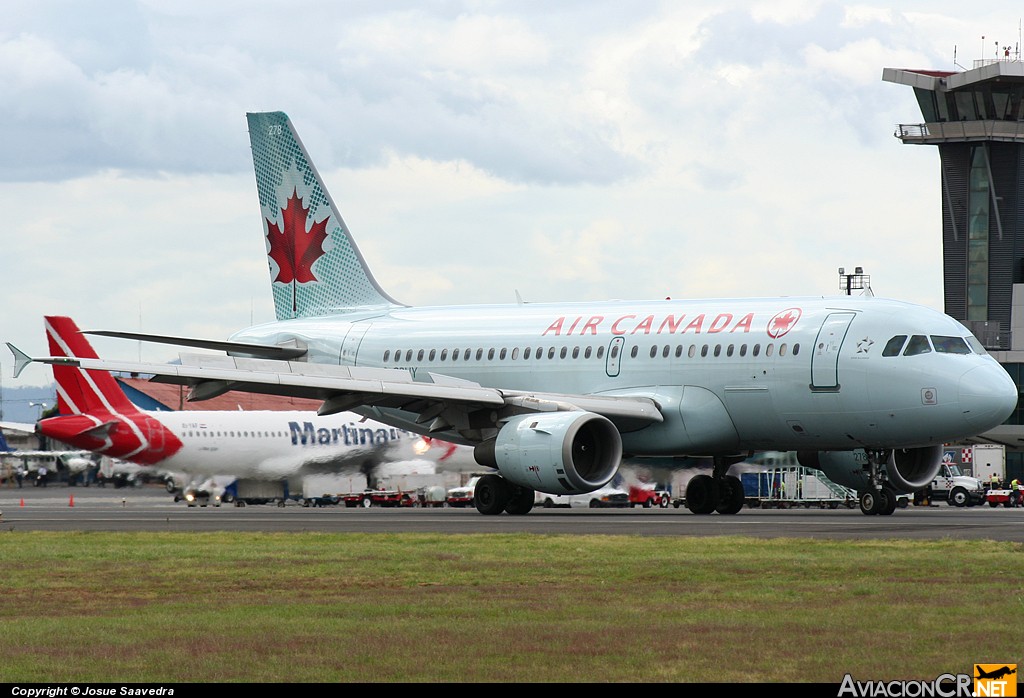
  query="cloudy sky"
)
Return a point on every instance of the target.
[{"x": 568, "y": 151}]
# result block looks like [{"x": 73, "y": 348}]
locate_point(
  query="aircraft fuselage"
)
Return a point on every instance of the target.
[{"x": 782, "y": 374}]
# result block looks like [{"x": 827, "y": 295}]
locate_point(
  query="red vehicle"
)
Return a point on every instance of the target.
[
  {"x": 380, "y": 498},
  {"x": 997, "y": 496},
  {"x": 647, "y": 497}
]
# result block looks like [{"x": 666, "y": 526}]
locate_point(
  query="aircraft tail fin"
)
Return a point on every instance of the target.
[
  {"x": 81, "y": 390},
  {"x": 315, "y": 266}
]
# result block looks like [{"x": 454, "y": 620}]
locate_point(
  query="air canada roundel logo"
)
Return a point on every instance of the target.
[{"x": 783, "y": 322}]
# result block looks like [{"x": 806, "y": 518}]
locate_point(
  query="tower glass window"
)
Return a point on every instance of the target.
[{"x": 977, "y": 236}]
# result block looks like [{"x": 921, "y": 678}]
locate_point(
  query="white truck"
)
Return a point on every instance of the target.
[
  {"x": 988, "y": 460},
  {"x": 956, "y": 488}
]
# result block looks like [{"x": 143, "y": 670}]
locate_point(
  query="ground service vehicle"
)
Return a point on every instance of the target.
[
  {"x": 997, "y": 496},
  {"x": 956, "y": 488},
  {"x": 380, "y": 498},
  {"x": 462, "y": 496},
  {"x": 647, "y": 497}
]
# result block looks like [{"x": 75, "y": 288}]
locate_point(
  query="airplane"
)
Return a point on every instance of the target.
[
  {"x": 553, "y": 395},
  {"x": 995, "y": 674},
  {"x": 95, "y": 414}
]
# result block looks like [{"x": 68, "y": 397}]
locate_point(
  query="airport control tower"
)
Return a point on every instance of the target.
[{"x": 976, "y": 118}]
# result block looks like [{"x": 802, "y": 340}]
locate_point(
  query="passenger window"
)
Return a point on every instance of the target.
[
  {"x": 387, "y": 355},
  {"x": 728, "y": 351},
  {"x": 455, "y": 354},
  {"x": 515, "y": 353},
  {"x": 743, "y": 350},
  {"x": 769, "y": 350},
  {"x": 654, "y": 351},
  {"x": 600, "y": 352},
  {"x": 679, "y": 350},
  {"x": 551, "y": 353},
  {"x": 950, "y": 345},
  {"x": 918, "y": 344},
  {"x": 444, "y": 354},
  {"x": 796, "y": 349},
  {"x": 490, "y": 354},
  {"x": 526, "y": 354},
  {"x": 893, "y": 346},
  {"x": 575, "y": 352},
  {"x": 704, "y": 350},
  {"x": 433, "y": 353},
  {"x": 718, "y": 350},
  {"x": 479, "y": 354},
  {"x": 664, "y": 352},
  {"x": 419, "y": 355},
  {"x": 757, "y": 350},
  {"x": 501, "y": 354},
  {"x": 633, "y": 351},
  {"x": 586, "y": 353},
  {"x": 693, "y": 351},
  {"x": 408, "y": 356},
  {"x": 782, "y": 350},
  {"x": 563, "y": 352}
]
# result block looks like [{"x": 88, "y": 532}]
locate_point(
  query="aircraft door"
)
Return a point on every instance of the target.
[
  {"x": 611, "y": 365},
  {"x": 825, "y": 357},
  {"x": 350, "y": 347}
]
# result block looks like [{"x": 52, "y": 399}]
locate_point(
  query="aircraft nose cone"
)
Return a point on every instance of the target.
[{"x": 988, "y": 396}]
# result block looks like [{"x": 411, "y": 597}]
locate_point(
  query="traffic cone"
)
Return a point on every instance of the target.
[
  {"x": 71, "y": 502},
  {"x": 22, "y": 503}
]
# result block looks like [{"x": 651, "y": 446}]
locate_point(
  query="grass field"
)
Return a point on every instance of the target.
[{"x": 311, "y": 607}]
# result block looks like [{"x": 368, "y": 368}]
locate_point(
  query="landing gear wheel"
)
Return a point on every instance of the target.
[
  {"x": 888, "y": 504},
  {"x": 521, "y": 501},
  {"x": 730, "y": 495},
  {"x": 492, "y": 494},
  {"x": 870, "y": 502},
  {"x": 701, "y": 494}
]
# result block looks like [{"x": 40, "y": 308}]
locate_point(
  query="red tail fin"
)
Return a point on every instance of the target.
[{"x": 81, "y": 391}]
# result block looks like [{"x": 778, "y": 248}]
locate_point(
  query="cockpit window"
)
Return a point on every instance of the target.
[
  {"x": 918, "y": 344},
  {"x": 976, "y": 345},
  {"x": 950, "y": 345},
  {"x": 893, "y": 346}
]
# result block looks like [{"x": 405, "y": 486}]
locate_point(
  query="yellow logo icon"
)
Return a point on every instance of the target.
[{"x": 995, "y": 680}]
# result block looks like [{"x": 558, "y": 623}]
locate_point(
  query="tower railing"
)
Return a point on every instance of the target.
[{"x": 959, "y": 131}]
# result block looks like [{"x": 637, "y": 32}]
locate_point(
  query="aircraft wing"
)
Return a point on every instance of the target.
[{"x": 434, "y": 403}]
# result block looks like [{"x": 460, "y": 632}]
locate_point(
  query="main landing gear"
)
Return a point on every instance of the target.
[
  {"x": 495, "y": 494},
  {"x": 878, "y": 499},
  {"x": 716, "y": 492}
]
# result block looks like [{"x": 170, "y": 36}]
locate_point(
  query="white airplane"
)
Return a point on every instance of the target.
[
  {"x": 96, "y": 415},
  {"x": 552, "y": 395}
]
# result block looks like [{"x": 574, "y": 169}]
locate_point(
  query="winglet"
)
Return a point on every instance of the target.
[{"x": 21, "y": 359}]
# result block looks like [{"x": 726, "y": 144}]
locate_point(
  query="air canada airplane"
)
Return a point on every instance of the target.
[
  {"x": 96, "y": 414},
  {"x": 553, "y": 395}
]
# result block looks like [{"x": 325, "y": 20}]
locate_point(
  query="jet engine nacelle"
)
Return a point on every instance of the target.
[
  {"x": 907, "y": 470},
  {"x": 555, "y": 452}
]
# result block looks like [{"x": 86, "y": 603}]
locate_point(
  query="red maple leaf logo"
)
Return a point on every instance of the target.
[
  {"x": 783, "y": 322},
  {"x": 294, "y": 249}
]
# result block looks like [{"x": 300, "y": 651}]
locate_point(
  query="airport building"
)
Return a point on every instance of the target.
[{"x": 975, "y": 118}]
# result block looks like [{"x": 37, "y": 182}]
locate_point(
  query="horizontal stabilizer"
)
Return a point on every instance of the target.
[{"x": 281, "y": 352}]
